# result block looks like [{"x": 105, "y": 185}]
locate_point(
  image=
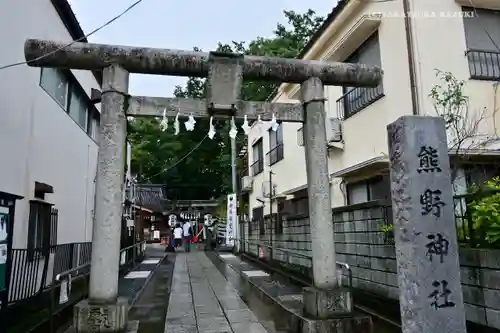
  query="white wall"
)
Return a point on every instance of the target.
[
  {"x": 38, "y": 140},
  {"x": 439, "y": 44}
]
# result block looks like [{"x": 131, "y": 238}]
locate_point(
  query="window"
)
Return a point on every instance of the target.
[
  {"x": 67, "y": 92},
  {"x": 258, "y": 215},
  {"x": 258, "y": 158},
  {"x": 55, "y": 83},
  {"x": 41, "y": 227},
  {"x": 354, "y": 99},
  {"x": 93, "y": 124},
  {"x": 278, "y": 226},
  {"x": 482, "y": 53},
  {"x": 275, "y": 153},
  {"x": 357, "y": 193},
  {"x": 78, "y": 108},
  {"x": 478, "y": 174},
  {"x": 300, "y": 137},
  {"x": 376, "y": 188}
]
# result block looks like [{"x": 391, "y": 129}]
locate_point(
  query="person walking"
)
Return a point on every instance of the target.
[
  {"x": 177, "y": 236},
  {"x": 188, "y": 236}
]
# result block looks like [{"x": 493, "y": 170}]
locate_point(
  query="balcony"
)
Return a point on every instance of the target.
[
  {"x": 257, "y": 167},
  {"x": 357, "y": 99},
  {"x": 484, "y": 65},
  {"x": 275, "y": 155}
]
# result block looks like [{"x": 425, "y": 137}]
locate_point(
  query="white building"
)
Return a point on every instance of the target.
[
  {"x": 48, "y": 128},
  {"x": 438, "y": 36}
]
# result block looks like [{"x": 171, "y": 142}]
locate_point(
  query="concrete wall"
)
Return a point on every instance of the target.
[
  {"x": 38, "y": 139},
  {"x": 296, "y": 236},
  {"x": 360, "y": 242}
]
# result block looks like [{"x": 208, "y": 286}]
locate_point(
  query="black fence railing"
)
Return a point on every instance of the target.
[
  {"x": 470, "y": 232},
  {"x": 357, "y": 99},
  {"x": 54, "y": 218},
  {"x": 36, "y": 283},
  {"x": 26, "y": 275},
  {"x": 484, "y": 65},
  {"x": 275, "y": 154},
  {"x": 32, "y": 269},
  {"x": 257, "y": 167}
]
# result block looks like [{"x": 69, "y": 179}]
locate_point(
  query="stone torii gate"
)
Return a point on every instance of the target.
[{"x": 104, "y": 311}]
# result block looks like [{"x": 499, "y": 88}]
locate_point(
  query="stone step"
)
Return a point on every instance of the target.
[{"x": 132, "y": 327}]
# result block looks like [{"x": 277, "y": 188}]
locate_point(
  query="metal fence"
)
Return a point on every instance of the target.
[
  {"x": 469, "y": 233},
  {"x": 34, "y": 270},
  {"x": 483, "y": 64}
]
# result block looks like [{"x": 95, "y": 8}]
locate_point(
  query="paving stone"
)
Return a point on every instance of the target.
[
  {"x": 186, "y": 321},
  {"x": 248, "y": 327},
  {"x": 203, "y": 301},
  {"x": 214, "y": 324},
  {"x": 233, "y": 304},
  {"x": 241, "y": 316},
  {"x": 180, "y": 329}
]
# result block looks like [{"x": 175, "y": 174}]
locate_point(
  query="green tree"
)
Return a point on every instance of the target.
[{"x": 206, "y": 172}]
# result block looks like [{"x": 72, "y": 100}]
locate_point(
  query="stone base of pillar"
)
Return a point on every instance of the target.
[
  {"x": 90, "y": 317},
  {"x": 327, "y": 304},
  {"x": 356, "y": 323},
  {"x": 331, "y": 311}
]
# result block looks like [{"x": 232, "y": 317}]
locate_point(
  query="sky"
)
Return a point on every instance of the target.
[{"x": 182, "y": 24}]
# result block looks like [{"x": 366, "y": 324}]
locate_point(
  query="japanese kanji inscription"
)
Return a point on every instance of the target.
[
  {"x": 428, "y": 160},
  {"x": 425, "y": 235}
]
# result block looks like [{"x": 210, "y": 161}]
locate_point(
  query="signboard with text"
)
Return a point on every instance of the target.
[
  {"x": 4, "y": 220},
  {"x": 231, "y": 219}
]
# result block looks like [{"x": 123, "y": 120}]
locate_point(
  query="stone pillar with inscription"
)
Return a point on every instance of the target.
[
  {"x": 431, "y": 298},
  {"x": 104, "y": 311}
]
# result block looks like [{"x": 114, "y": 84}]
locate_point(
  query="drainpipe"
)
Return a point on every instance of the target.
[{"x": 411, "y": 58}]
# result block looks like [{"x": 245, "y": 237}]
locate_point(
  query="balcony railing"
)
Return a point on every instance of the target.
[
  {"x": 275, "y": 155},
  {"x": 257, "y": 167},
  {"x": 357, "y": 99},
  {"x": 484, "y": 65}
]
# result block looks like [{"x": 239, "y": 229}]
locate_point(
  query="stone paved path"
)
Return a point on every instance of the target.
[{"x": 203, "y": 301}]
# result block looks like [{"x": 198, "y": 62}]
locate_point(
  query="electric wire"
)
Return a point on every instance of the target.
[
  {"x": 165, "y": 170},
  {"x": 75, "y": 41}
]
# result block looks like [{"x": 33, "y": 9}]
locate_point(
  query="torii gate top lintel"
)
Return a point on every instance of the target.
[
  {"x": 141, "y": 60},
  {"x": 225, "y": 73}
]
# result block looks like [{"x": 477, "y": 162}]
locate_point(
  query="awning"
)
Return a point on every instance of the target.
[
  {"x": 43, "y": 188},
  {"x": 366, "y": 168},
  {"x": 142, "y": 208},
  {"x": 486, "y": 151}
]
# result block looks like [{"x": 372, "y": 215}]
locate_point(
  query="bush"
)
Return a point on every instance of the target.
[{"x": 485, "y": 211}]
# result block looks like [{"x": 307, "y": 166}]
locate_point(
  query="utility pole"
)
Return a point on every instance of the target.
[
  {"x": 225, "y": 72},
  {"x": 234, "y": 177},
  {"x": 271, "y": 195}
]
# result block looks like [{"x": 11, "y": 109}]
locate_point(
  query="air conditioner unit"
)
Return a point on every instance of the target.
[
  {"x": 267, "y": 188},
  {"x": 334, "y": 130},
  {"x": 246, "y": 183}
]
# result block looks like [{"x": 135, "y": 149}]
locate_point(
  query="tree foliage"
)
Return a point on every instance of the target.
[{"x": 206, "y": 172}]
